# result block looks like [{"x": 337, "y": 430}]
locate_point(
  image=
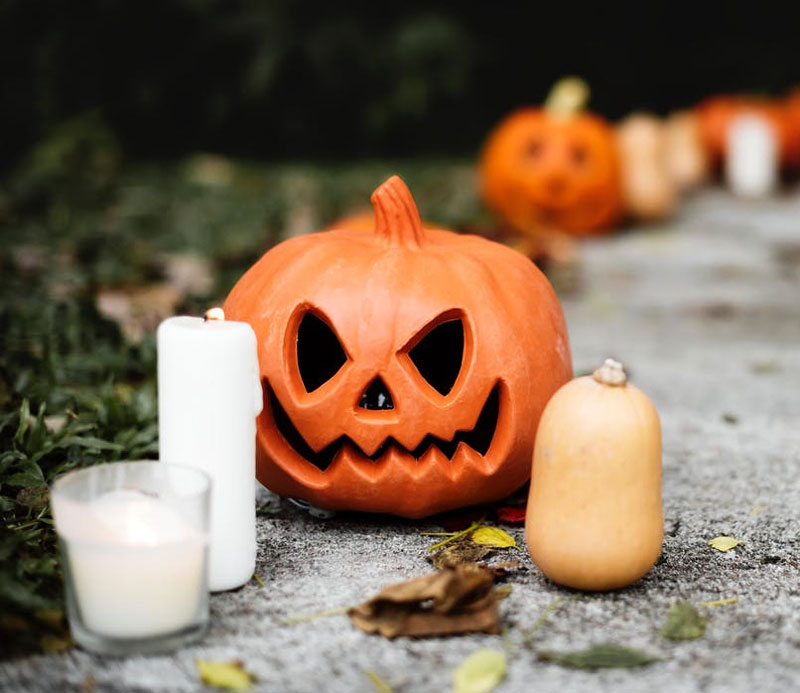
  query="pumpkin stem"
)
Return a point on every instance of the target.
[
  {"x": 567, "y": 97},
  {"x": 611, "y": 373},
  {"x": 397, "y": 219}
]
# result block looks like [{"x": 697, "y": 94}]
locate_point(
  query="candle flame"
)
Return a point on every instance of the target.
[{"x": 214, "y": 314}]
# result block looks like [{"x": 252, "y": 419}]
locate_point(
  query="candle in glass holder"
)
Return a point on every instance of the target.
[
  {"x": 208, "y": 398},
  {"x": 134, "y": 545}
]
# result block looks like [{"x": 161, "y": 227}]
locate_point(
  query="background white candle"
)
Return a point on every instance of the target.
[
  {"x": 751, "y": 164},
  {"x": 208, "y": 397},
  {"x": 136, "y": 565}
]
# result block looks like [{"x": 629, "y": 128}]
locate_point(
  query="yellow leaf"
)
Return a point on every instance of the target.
[
  {"x": 378, "y": 683},
  {"x": 480, "y": 672},
  {"x": 720, "y": 602},
  {"x": 228, "y": 675},
  {"x": 493, "y": 536},
  {"x": 724, "y": 543}
]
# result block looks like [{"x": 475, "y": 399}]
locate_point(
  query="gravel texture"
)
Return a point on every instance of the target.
[{"x": 705, "y": 312}]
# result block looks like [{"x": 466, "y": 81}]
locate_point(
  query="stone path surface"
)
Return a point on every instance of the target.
[{"x": 705, "y": 312}]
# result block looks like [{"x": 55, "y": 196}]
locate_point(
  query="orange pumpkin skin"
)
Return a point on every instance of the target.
[
  {"x": 540, "y": 171},
  {"x": 792, "y": 105},
  {"x": 381, "y": 293},
  {"x": 716, "y": 114}
]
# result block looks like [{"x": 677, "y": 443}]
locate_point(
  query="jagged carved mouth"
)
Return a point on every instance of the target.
[{"x": 479, "y": 438}]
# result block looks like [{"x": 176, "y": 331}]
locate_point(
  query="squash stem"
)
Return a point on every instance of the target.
[{"x": 611, "y": 373}]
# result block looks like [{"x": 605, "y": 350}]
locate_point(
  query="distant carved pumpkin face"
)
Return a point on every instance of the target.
[
  {"x": 542, "y": 171},
  {"x": 404, "y": 368}
]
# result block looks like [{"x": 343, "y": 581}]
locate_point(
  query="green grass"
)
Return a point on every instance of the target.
[{"x": 74, "y": 391}]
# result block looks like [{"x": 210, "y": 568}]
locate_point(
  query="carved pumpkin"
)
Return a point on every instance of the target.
[
  {"x": 716, "y": 114},
  {"x": 553, "y": 167},
  {"x": 404, "y": 368}
]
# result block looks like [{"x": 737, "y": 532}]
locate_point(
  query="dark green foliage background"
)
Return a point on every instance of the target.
[
  {"x": 73, "y": 391},
  {"x": 288, "y": 78}
]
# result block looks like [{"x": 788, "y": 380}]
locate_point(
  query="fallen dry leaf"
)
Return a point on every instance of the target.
[
  {"x": 458, "y": 553},
  {"x": 448, "y": 602},
  {"x": 457, "y": 520},
  {"x": 511, "y": 516},
  {"x": 719, "y": 602},
  {"x": 189, "y": 273},
  {"x": 503, "y": 568},
  {"x": 684, "y": 622},
  {"x": 138, "y": 310},
  {"x": 495, "y": 537},
  {"x": 231, "y": 676},
  {"x": 724, "y": 543},
  {"x": 604, "y": 656},
  {"x": 481, "y": 672},
  {"x": 378, "y": 683}
]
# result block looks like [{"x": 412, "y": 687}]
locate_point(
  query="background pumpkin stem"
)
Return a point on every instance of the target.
[
  {"x": 397, "y": 219},
  {"x": 567, "y": 97}
]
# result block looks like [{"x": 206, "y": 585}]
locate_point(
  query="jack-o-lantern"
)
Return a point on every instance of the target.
[
  {"x": 554, "y": 167},
  {"x": 404, "y": 368}
]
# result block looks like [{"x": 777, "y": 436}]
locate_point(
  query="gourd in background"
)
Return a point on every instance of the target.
[
  {"x": 405, "y": 368},
  {"x": 687, "y": 161},
  {"x": 594, "y": 518},
  {"x": 649, "y": 193}
]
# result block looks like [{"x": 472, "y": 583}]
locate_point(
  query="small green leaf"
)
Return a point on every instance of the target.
[
  {"x": 724, "y": 543},
  {"x": 89, "y": 442},
  {"x": 604, "y": 656},
  {"x": 481, "y": 672},
  {"x": 684, "y": 622},
  {"x": 24, "y": 420},
  {"x": 231, "y": 676},
  {"x": 494, "y": 536}
]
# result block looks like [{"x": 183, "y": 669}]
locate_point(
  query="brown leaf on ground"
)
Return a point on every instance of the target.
[
  {"x": 138, "y": 310},
  {"x": 504, "y": 568},
  {"x": 448, "y": 602},
  {"x": 458, "y": 553}
]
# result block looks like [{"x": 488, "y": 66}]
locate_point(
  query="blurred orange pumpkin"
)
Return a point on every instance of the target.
[
  {"x": 555, "y": 167},
  {"x": 405, "y": 368},
  {"x": 717, "y": 113},
  {"x": 792, "y": 105}
]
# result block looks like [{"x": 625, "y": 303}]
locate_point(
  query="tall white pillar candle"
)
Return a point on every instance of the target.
[
  {"x": 751, "y": 163},
  {"x": 208, "y": 398}
]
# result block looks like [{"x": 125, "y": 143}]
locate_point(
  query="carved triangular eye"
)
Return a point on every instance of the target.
[
  {"x": 439, "y": 354},
  {"x": 320, "y": 355}
]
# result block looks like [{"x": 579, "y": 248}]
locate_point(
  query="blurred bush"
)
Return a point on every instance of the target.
[{"x": 312, "y": 79}]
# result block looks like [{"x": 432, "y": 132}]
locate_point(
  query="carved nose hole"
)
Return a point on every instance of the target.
[{"x": 376, "y": 396}]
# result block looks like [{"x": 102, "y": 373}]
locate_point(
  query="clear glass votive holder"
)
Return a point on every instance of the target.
[{"x": 134, "y": 551}]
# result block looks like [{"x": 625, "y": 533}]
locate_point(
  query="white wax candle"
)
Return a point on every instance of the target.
[
  {"x": 751, "y": 164},
  {"x": 137, "y": 566},
  {"x": 208, "y": 397}
]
